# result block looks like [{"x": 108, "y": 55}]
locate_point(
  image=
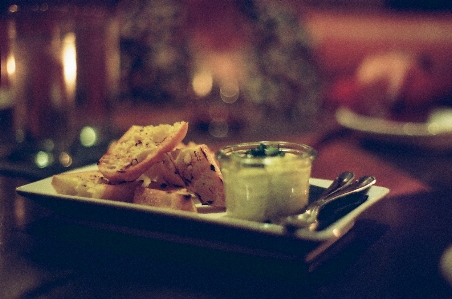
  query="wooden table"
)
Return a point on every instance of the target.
[{"x": 393, "y": 251}]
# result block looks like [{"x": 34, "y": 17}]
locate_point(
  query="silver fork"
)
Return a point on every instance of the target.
[{"x": 309, "y": 218}]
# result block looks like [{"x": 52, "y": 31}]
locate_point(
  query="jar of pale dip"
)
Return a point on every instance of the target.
[{"x": 265, "y": 180}]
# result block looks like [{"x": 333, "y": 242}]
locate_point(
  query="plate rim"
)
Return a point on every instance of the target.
[
  {"x": 368, "y": 124},
  {"x": 335, "y": 230}
]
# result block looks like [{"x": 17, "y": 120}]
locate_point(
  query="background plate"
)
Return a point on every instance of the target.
[{"x": 434, "y": 135}]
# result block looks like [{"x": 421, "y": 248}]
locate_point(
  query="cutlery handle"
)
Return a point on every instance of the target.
[
  {"x": 340, "y": 182},
  {"x": 361, "y": 184}
]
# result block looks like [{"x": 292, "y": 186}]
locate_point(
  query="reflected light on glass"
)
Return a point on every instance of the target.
[
  {"x": 202, "y": 83},
  {"x": 337, "y": 232},
  {"x": 219, "y": 128},
  {"x": 88, "y": 136},
  {"x": 65, "y": 159},
  {"x": 229, "y": 92},
  {"x": 43, "y": 159},
  {"x": 69, "y": 63},
  {"x": 13, "y": 8}
]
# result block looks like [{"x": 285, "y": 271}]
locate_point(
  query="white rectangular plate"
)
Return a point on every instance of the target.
[{"x": 207, "y": 228}]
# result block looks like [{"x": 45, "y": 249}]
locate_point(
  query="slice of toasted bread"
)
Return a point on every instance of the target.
[
  {"x": 179, "y": 199},
  {"x": 193, "y": 167},
  {"x": 138, "y": 149},
  {"x": 163, "y": 173},
  {"x": 201, "y": 174},
  {"x": 93, "y": 184}
]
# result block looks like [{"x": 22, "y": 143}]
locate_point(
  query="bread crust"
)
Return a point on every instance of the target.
[
  {"x": 179, "y": 199},
  {"x": 138, "y": 149},
  {"x": 93, "y": 184}
]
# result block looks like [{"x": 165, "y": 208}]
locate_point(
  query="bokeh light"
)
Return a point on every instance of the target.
[
  {"x": 88, "y": 136},
  {"x": 229, "y": 91},
  {"x": 202, "y": 83},
  {"x": 43, "y": 159}
]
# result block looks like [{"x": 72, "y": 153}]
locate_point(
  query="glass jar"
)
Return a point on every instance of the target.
[{"x": 273, "y": 183}]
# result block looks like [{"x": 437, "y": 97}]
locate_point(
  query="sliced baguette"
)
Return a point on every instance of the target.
[
  {"x": 199, "y": 170},
  {"x": 179, "y": 199},
  {"x": 138, "y": 149},
  {"x": 193, "y": 167},
  {"x": 93, "y": 184}
]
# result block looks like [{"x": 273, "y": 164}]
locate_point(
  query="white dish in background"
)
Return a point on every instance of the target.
[
  {"x": 434, "y": 134},
  {"x": 207, "y": 228}
]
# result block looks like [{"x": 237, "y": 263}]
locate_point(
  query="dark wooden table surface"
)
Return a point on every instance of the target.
[{"x": 394, "y": 249}]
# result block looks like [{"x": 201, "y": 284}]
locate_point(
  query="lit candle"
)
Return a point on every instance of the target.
[
  {"x": 8, "y": 64},
  {"x": 69, "y": 65}
]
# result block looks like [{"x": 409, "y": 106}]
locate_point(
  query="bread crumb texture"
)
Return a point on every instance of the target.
[
  {"x": 140, "y": 145},
  {"x": 193, "y": 167}
]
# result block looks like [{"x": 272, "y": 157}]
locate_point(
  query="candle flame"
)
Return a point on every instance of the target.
[
  {"x": 69, "y": 63},
  {"x": 10, "y": 65}
]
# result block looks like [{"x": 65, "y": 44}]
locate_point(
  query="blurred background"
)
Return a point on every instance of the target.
[{"x": 76, "y": 74}]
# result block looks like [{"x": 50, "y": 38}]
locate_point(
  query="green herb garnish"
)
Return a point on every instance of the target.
[{"x": 263, "y": 150}]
